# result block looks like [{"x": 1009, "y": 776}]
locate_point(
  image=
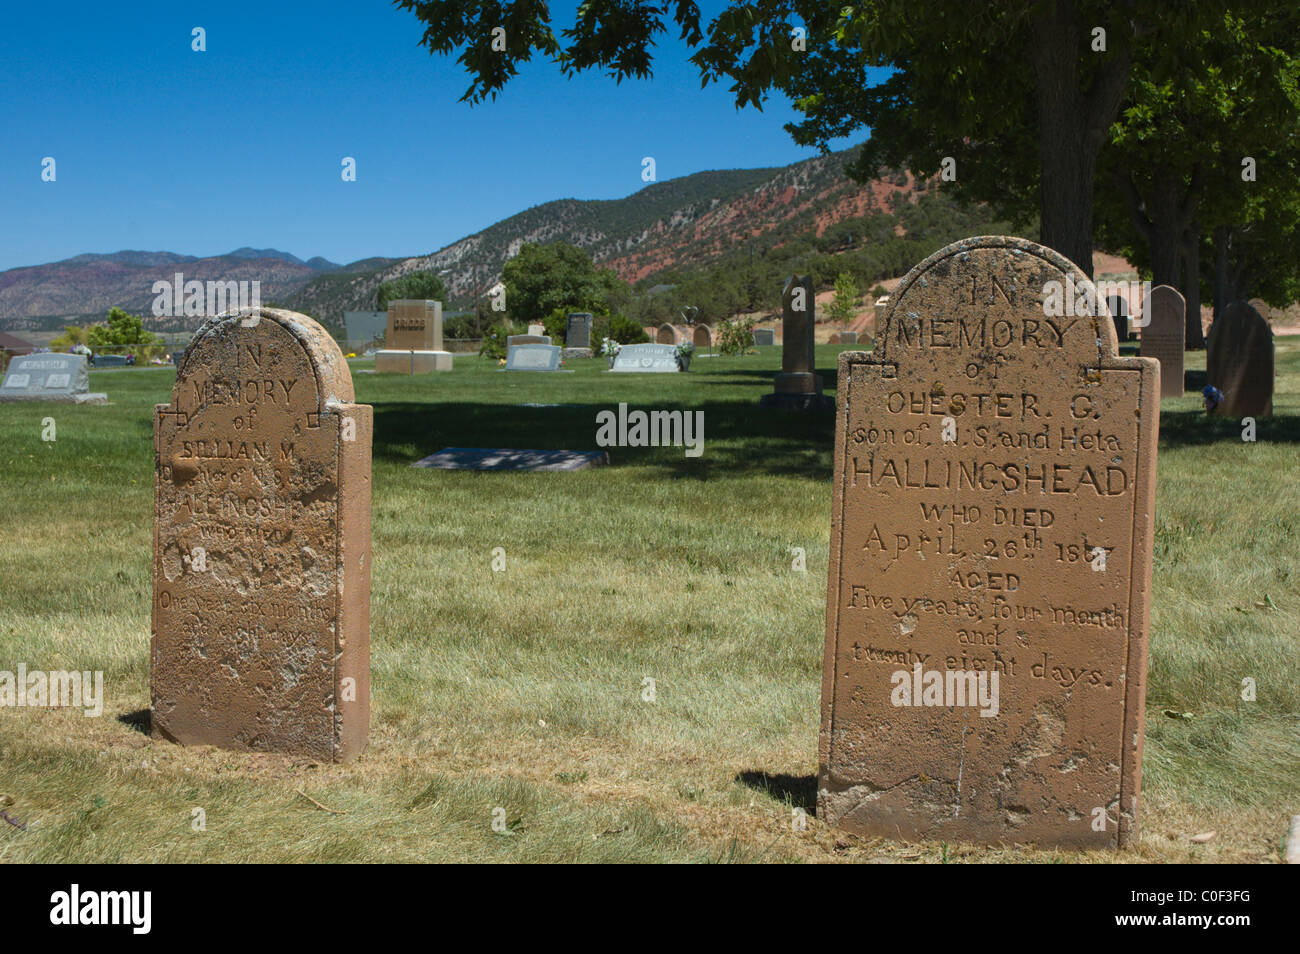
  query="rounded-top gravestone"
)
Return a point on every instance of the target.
[
  {"x": 261, "y": 608},
  {"x": 990, "y": 564},
  {"x": 1239, "y": 362}
]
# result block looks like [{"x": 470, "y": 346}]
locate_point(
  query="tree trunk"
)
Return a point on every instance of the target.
[
  {"x": 1194, "y": 339},
  {"x": 1166, "y": 233},
  {"x": 1072, "y": 125},
  {"x": 1222, "y": 242}
]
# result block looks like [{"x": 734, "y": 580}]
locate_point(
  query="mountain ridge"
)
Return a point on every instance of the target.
[{"x": 685, "y": 222}]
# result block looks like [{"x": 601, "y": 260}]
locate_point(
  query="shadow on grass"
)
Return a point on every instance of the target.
[
  {"x": 141, "y": 720},
  {"x": 739, "y": 437},
  {"x": 1196, "y": 428},
  {"x": 800, "y": 791}
]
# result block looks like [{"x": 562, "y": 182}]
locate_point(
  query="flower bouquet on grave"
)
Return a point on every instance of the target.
[
  {"x": 610, "y": 349},
  {"x": 684, "y": 352}
]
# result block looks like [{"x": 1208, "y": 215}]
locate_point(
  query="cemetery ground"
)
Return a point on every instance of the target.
[{"x": 524, "y": 689}]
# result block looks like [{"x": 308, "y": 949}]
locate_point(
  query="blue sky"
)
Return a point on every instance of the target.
[{"x": 161, "y": 148}]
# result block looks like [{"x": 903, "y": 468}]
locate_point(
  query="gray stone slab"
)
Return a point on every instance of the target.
[
  {"x": 47, "y": 376},
  {"x": 764, "y": 336},
  {"x": 647, "y": 358},
  {"x": 510, "y": 458},
  {"x": 533, "y": 357}
]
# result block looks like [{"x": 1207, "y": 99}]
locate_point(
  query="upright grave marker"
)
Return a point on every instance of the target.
[
  {"x": 413, "y": 342},
  {"x": 647, "y": 358},
  {"x": 577, "y": 332},
  {"x": 261, "y": 575},
  {"x": 49, "y": 377},
  {"x": 990, "y": 563},
  {"x": 1163, "y": 338},
  {"x": 798, "y": 386},
  {"x": 1239, "y": 362},
  {"x": 533, "y": 357}
]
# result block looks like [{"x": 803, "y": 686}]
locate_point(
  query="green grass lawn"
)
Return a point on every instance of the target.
[{"x": 521, "y": 690}]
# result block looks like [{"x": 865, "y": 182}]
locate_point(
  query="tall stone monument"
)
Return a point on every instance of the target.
[
  {"x": 261, "y": 572},
  {"x": 1164, "y": 337},
  {"x": 1239, "y": 362},
  {"x": 990, "y": 563},
  {"x": 413, "y": 342},
  {"x": 798, "y": 387}
]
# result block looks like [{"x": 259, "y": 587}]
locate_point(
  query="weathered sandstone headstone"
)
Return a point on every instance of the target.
[
  {"x": 702, "y": 336},
  {"x": 990, "y": 563},
  {"x": 49, "y": 377},
  {"x": 1163, "y": 338},
  {"x": 880, "y": 306},
  {"x": 413, "y": 342},
  {"x": 798, "y": 386},
  {"x": 261, "y": 576},
  {"x": 1239, "y": 362},
  {"x": 666, "y": 334}
]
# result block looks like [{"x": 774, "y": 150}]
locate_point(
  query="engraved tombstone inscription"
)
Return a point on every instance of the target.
[
  {"x": 261, "y": 576},
  {"x": 990, "y": 563}
]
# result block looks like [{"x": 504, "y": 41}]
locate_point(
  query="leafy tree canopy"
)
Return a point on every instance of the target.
[{"x": 419, "y": 286}]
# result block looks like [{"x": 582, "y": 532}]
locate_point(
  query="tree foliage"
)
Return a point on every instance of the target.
[
  {"x": 418, "y": 286},
  {"x": 544, "y": 278}
]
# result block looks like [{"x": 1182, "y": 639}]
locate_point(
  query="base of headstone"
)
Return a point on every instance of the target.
[
  {"x": 784, "y": 401},
  {"x": 412, "y": 362},
  {"x": 576, "y": 353},
  {"x": 798, "y": 382},
  {"x": 99, "y": 398}
]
